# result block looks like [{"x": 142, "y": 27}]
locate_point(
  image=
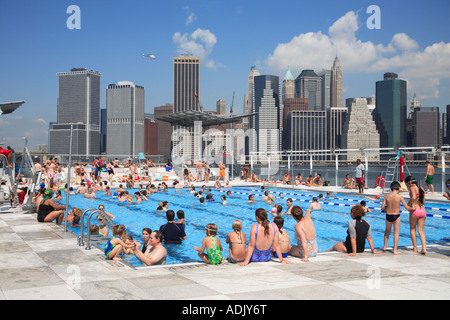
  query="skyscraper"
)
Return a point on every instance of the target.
[
  {"x": 249, "y": 102},
  {"x": 336, "y": 87},
  {"x": 413, "y": 104},
  {"x": 186, "y": 96},
  {"x": 164, "y": 130},
  {"x": 426, "y": 127},
  {"x": 288, "y": 86},
  {"x": 221, "y": 107},
  {"x": 307, "y": 131},
  {"x": 335, "y": 121},
  {"x": 125, "y": 109},
  {"x": 390, "y": 111},
  {"x": 186, "y": 83},
  {"x": 326, "y": 88},
  {"x": 309, "y": 85},
  {"x": 359, "y": 129},
  {"x": 268, "y": 119},
  {"x": 78, "y": 102}
]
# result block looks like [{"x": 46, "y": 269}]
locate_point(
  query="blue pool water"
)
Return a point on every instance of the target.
[{"x": 330, "y": 222}]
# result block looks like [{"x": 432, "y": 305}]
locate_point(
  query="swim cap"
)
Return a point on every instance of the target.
[{"x": 48, "y": 194}]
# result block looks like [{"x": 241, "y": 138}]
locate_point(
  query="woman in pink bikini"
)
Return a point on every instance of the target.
[{"x": 418, "y": 215}]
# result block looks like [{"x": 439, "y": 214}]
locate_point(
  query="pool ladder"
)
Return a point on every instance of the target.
[{"x": 92, "y": 212}]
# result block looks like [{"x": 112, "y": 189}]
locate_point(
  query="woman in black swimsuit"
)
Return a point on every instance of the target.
[{"x": 49, "y": 210}]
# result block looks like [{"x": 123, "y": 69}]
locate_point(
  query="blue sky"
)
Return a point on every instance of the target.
[{"x": 230, "y": 36}]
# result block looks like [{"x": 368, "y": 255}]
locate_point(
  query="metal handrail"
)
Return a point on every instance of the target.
[
  {"x": 80, "y": 237},
  {"x": 93, "y": 211}
]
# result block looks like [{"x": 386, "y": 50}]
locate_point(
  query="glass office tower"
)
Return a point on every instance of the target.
[{"x": 390, "y": 111}]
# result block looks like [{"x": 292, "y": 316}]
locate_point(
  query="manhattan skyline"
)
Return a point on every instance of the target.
[{"x": 229, "y": 37}]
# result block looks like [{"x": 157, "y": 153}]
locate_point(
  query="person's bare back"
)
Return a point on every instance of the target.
[{"x": 391, "y": 203}]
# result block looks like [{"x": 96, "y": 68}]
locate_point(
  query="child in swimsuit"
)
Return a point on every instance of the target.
[
  {"x": 391, "y": 205},
  {"x": 236, "y": 242},
  {"x": 115, "y": 245},
  {"x": 418, "y": 214},
  {"x": 213, "y": 246},
  {"x": 284, "y": 238}
]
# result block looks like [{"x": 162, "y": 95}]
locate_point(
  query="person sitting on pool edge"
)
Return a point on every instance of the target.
[
  {"x": 49, "y": 210},
  {"x": 357, "y": 233},
  {"x": 263, "y": 237},
  {"x": 447, "y": 194},
  {"x": 171, "y": 231},
  {"x": 212, "y": 245}
]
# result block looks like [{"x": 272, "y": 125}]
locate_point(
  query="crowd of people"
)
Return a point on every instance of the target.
[{"x": 267, "y": 239}]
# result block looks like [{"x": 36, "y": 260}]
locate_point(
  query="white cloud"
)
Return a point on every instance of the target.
[
  {"x": 403, "y": 42},
  {"x": 191, "y": 18},
  {"x": 40, "y": 121},
  {"x": 35, "y": 130},
  {"x": 315, "y": 50},
  {"x": 200, "y": 43}
]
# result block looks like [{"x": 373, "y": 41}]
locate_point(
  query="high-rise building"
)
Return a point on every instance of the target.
[
  {"x": 221, "y": 107},
  {"x": 288, "y": 86},
  {"x": 326, "y": 88},
  {"x": 268, "y": 119},
  {"x": 151, "y": 135},
  {"x": 164, "y": 130},
  {"x": 446, "y": 125},
  {"x": 425, "y": 127},
  {"x": 359, "y": 129},
  {"x": 78, "y": 103},
  {"x": 125, "y": 108},
  {"x": 336, "y": 118},
  {"x": 103, "y": 130},
  {"x": 336, "y": 88},
  {"x": 307, "y": 131},
  {"x": 186, "y": 96},
  {"x": 309, "y": 85},
  {"x": 291, "y": 104},
  {"x": 249, "y": 102},
  {"x": 390, "y": 110},
  {"x": 413, "y": 104},
  {"x": 186, "y": 83}
]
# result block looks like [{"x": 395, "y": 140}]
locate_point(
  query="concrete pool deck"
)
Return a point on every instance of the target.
[{"x": 41, "y": 261}]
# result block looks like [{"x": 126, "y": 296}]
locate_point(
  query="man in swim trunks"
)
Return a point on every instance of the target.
[
  {"x": 359, "y": 177},
  {"x": 429, "y": 174},
  {"x": 221, "y": 172}
]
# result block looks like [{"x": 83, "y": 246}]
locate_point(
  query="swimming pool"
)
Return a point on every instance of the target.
[{"x": 330, "y": 222}]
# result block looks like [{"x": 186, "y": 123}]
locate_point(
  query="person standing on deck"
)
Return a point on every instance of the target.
[
  {"x": 429, "y": 177},
  {"x": 360, "y": 176}
]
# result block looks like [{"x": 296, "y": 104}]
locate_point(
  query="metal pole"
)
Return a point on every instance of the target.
[
  {"x": 68, "y": 179},
  {"x": 366, "y": 174},
  {"x": 337, "y": 169},
  {"x": 443, "y": 182}
]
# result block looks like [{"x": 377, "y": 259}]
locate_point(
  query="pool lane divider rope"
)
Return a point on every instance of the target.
[{"x": 340, "y": 204}]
